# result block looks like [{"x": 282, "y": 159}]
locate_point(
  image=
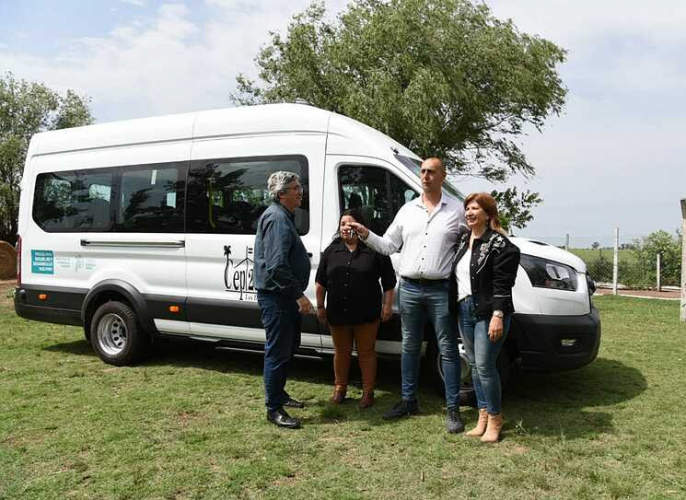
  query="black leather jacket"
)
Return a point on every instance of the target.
[{"x": 493, "y": 270}]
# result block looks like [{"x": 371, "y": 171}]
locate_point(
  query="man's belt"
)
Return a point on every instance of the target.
[{"x": 423, "y": 281}]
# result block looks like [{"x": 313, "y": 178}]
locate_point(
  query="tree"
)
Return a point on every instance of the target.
[
  {"x": 443, "y": 77},
  {"x": 26, "y": 109},
  {"x": 669, "y": 248}
]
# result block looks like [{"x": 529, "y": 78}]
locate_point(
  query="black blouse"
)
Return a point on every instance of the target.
[{"x": 351, "y": 280}]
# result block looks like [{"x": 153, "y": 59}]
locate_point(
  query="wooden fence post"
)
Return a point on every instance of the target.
[
  {"x": 567, "y": 242},
  {"x": 682, "y": 316},
  {"x": 615, "y": 265}
]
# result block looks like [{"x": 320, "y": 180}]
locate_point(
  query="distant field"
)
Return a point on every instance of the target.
[{"x": 588, "y": 254}]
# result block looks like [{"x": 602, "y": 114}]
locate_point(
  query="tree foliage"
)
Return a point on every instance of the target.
[
  {"x": 443, "y": 77},
  {"x": 27, "y": 108}
]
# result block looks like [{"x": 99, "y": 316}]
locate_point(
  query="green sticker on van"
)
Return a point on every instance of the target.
[{"x": 42, "y": 262}]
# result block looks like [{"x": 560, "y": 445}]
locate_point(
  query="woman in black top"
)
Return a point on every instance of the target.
[
  {"x": 349, "y": 273},
  {"x": 483, "y": 275}
]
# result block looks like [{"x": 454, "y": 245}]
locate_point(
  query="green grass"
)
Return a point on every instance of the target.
[
  {"x": 589, "y": 254},
  {"x": 190, "y": 424}
]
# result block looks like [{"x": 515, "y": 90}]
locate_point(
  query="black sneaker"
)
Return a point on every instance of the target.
[
  {"x": 282, "y": 419},
  {"x": 294, "y": 403},
  {"x": 403, "y": 408},
  {"x": 453, "y": 422}
]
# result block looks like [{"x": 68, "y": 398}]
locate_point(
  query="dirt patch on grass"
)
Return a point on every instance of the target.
[{"x": 649, "y": 294}]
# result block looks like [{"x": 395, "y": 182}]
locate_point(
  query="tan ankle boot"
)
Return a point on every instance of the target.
[
  {"x": 480, "y": 428},
  {"x": 495, "y": 425}
]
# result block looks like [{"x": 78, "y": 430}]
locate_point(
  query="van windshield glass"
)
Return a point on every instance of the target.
[{"x": 414, "y": 165}]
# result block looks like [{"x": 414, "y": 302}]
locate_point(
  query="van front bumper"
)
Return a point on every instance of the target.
[{"x": 557, "y": 343}]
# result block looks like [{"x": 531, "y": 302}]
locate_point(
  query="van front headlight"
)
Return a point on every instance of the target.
[{"x": 545, "y": 273}]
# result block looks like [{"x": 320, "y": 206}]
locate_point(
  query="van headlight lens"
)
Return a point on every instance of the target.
[{"x": 545, "y": 273}]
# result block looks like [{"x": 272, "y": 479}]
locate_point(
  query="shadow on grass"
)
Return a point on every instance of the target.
[{"x": 577, "y": 404}]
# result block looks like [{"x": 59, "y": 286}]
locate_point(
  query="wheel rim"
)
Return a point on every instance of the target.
[
  {"x": 465, "y": 369},
  {"x": 112, "y": 334}
]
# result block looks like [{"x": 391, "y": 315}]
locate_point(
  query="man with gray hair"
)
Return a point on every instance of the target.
[{"x": 282, "y": 271}]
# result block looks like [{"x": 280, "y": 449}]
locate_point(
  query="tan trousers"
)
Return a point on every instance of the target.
[{"x": 364, "y": 336}]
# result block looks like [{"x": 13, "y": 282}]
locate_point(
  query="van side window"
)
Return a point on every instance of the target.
[
  {"x": 74, "y": 201},
  {"x": 374, "y": 191},
  {"x": 151, "y": 199},
  {"x": 227, "y": 196}
]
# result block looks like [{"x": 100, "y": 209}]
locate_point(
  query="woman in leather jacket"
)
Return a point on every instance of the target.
[{"x": 483, "y": 274}]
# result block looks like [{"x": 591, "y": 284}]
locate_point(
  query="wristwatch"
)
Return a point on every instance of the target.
[{"x": 498, "y": 314}]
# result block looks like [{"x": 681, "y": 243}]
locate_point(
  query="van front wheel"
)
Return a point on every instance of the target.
[{"x": 116, "y": 336}]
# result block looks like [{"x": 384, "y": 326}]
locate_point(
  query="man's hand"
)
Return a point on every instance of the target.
[
  {"x": 362, "y": 231},
  {"x": 304, "y": 305}
]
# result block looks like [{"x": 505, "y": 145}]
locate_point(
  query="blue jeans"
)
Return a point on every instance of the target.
[
  {"x": 281, "y": 321},
  {"x": 482, "y": 355},
  {"x": 419, "y": 303}
]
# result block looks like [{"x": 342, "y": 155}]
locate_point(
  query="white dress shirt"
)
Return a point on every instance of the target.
[{"x": 426, "y": 240}]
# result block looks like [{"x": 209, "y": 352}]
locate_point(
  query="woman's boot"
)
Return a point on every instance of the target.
[
  {"x": 495, "y": 425},
  {"x": 338, "y": 395},
  {"x": 367, "y": 400},
  {"x": 481, "y": 424}
]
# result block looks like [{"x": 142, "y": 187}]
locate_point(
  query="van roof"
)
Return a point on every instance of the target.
[{"x": 268, "y": 119}]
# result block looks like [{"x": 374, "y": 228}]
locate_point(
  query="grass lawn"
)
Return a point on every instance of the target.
[{"x": 190, "y": 423}]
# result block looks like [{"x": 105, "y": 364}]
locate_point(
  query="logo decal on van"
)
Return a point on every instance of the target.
[
  {"x": 42, "y": 262},
  {"x": 238, "y": 278}
]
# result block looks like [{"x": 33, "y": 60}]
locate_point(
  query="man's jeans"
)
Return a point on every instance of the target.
[
  {"x": 482, "y": 355},
  {"x": 281, "y": 321},
  {"x": 419, "y": 303}
]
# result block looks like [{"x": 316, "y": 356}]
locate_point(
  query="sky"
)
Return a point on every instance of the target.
[{"x": 615, "y": 157}]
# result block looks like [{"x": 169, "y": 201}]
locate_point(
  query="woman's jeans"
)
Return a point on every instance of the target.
[
  {"x": 482, "y": 355},
  {"x": 420, "y": 303},
  {"x": 281, "y": 320}
]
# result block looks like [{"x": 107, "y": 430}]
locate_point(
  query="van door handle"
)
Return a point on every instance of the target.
[
  {"x": 134, "y": 244},
  {"x": 309, "y": 254}
]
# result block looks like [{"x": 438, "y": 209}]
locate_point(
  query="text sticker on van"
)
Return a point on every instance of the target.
[{"x": 42, "y": 262}]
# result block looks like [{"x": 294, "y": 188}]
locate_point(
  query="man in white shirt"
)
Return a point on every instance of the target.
[{"x": 425, "y": 230}]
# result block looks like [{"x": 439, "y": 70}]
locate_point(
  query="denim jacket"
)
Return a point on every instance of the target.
[
  {"x": 281, "y": 261},
  {"x": 493, "y": 269}
]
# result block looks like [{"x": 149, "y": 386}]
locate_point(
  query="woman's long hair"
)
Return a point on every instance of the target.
[
  {"x": 488, "y": 205},
  {"x": 355, "y": 214}
]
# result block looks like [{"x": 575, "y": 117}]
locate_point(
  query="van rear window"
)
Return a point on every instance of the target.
[{"x": 74, "y": 201}]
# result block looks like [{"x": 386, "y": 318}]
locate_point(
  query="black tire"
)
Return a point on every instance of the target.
[
  {"x": 116, "y": 336},
  {"x": 467, "y": 394}
]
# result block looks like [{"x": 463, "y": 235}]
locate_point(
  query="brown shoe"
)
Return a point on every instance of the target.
[
  {"x": 495, "y": 425},
  {"x": 480, "y": 428},
  {"x": 367, "y": 400},
  {"x": 338, "y": 396}
]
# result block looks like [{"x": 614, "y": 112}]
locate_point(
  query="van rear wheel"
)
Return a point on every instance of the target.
[{"x": 116, "y": 336}]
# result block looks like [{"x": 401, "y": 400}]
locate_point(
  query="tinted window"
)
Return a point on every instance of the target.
[
  {"x": 151, "y": 199},
  {"x": 228, "y": 196},
  {"x": 74, "y": 201},
  {"x": 374, "y": 191}
]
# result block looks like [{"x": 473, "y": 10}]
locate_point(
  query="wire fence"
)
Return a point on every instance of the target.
[{"x": 631, "y": 261}]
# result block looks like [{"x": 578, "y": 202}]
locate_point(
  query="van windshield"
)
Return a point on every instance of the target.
[{"x": 415, "y": 165}]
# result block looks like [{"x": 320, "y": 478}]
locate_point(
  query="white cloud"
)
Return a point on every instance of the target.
[{"x": 137, "y": 3}]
